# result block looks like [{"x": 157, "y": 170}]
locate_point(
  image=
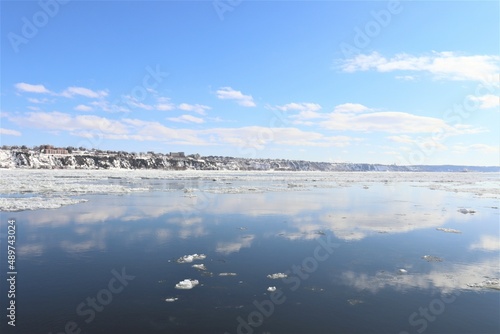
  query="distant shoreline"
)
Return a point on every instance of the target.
[{"x": 29, "y": 159}]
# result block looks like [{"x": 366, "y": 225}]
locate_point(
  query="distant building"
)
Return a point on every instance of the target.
[
  {"x": 177, "y": 154},
  {"x": 55, "y": 151}
]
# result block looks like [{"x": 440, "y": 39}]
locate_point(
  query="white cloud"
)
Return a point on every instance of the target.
[
  {"x": 487, "y": 243},
  {"x": 82, "y": 107},
  {"x": 135, "y": 103},
  {"x": 307, "y": 107},
  {"x": 388, "y": 121},
  {"x": 66, "y": 122},
  {"x": 227, "y": 248},
  {"x": 259, "y": 137},
  {"x": 9, "y": 132},
  {"x": 38, "y": 101},
  {"x": 357, "y": 117},
  {"x": 486, "y": 101},
  {"x": 482, "y": 148},
  {"x": 442, "y": 65},
  {"x": 227, "y": 93},
  {"x": 187, "y": 119},
  {"x": 405, "y": 139},
  {"x": 164, "y": 104},
  {"x": 28, "y": 88},
  {"x": 72, "y": 91},
  {"x": 351, "y": 107},
  {"x": 109, "y": 107},
  {"x": 405, "y": 77},
  {"x": 197, "y": 108}
]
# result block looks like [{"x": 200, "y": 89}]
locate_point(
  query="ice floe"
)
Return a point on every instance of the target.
[
  {"x": 187, "y": 284},
  {"x": 271, "y": 289},
  {"x": 466, "y": 211},
  {"x": 354, "y": 302},
  {"x": 171, "y": 300},
  {"x": 448, "y": 230},
  {"x": 191, "y": 258},
  {"x": 227, "y": 274},
  {"x": 490, "y": 283},
  {"x": 430, "y": 258},
  {"x": 277, "y": 276},
  {"x": 35, "y": 203}
]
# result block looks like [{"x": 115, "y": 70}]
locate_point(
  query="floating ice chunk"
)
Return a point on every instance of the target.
[
  {"x": 466, "y": 211},
  {"x": 271, "y": 289},
  {"x": 171, "y": 300},
  {"x": 448, "y": 230},
  {"x": 402, "y": 271},
  {"x": 199, "y": 266},
  {"x": 227, "y": 274},
  {"x": 187, "y": 284},
  {"x": 354, "y": 302},
  {"x": 491, "y": 283},
  {"x": 277, "y": 276},
  {"x": 191, "y": 258},
  {"x": 430, "y": 258},
  {"x": 34, "y": 203}
]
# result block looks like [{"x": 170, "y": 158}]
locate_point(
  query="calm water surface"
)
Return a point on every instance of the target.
[{"x": 353, "y": 255}]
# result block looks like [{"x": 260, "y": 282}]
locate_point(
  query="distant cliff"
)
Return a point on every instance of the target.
[{"x": 123, "y": 160}]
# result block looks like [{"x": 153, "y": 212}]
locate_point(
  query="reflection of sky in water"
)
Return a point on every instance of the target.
[{"x": 66, "y": 255}]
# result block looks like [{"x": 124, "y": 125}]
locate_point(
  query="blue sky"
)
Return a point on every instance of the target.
[{"x": 410, "y": 82}]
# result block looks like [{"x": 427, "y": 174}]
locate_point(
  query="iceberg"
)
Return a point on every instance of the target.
[
  {"x": 171, "y": 300},
  {"x": 227, "y": 274},
  {"x": 271, "y": 289}
]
